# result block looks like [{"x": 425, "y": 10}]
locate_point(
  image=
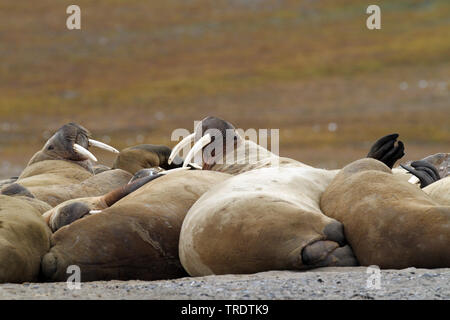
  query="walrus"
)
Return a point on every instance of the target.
[
  {"x": 70, "y": 144},
  {"x": 263, "y": 219},
  {"x": 63, "y": 169},
  {"x": 224, "y": 149},
  {"x": 77, "y": 208},
  {"x": 136, "y": 238},
  {"x": 388, "y": 222},
  {"x": 24, "y": 238},
  {"x": 95, "y": 185}
]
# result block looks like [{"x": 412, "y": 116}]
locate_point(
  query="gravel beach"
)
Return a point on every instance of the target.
[{"x": 317, "y": 284}]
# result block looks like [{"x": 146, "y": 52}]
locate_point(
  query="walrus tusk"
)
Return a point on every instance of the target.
[
  {"x": 103, "y": 146},
  {"x": 95, "y": 211},
  {"x": 84, "y": 152},
  {"x": 176, "y": 150},
  {"x": 198, "y": 146}
]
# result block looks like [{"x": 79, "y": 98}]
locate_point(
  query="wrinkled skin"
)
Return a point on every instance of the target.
[
  {"x": 136, "y": 238},
  {"x": 24, "y": 239},
  {"x": 388, "y": 222},
  {"x": 57, "y": 163},
  {"x": 60, "y": 146},
  {"x": 58, "y": 172}
]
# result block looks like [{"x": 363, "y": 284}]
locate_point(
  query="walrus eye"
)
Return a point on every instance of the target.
[{"x": 50, "y": 147}]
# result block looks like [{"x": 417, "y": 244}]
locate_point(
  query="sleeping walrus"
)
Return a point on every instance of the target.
[
  {"x": 388, "y": 222},
  {"x": 136, "y": 238},
  {"x": 260, "y": 220}
]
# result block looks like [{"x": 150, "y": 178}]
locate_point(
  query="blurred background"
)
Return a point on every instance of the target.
[{"x": 137, "y": 70}]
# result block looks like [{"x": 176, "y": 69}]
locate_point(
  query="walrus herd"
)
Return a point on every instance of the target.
[{"x": 154, "y": 215}]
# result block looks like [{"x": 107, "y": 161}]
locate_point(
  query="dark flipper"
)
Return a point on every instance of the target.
[
  {"x": 70, "y": 213},
  {"x": 117, "y": 194},
  {"x": 425, "y": 171},
  {"x": 16, "y": 189},
  {"x": 384, "y": 150}
]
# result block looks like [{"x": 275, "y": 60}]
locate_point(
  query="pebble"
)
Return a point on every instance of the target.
[{"x": 350, "y": 283}]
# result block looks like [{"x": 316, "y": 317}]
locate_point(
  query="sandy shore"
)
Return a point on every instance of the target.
[{"x": 318, "y": 284}]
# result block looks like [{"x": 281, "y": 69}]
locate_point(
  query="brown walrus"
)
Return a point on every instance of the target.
[
  {"x": 24, "y": 238},
  {"x": 136, "y": 238},
  {"x": 388, "y": 222},
  {"x": 63, "y": 169}
]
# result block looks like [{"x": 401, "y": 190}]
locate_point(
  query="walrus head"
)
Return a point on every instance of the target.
[
  {"x": 70, "y": 142},
  {"x": 213, "y": 137}
]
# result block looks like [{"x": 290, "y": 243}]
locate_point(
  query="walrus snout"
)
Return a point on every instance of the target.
[{"x": 325, "y": 253}]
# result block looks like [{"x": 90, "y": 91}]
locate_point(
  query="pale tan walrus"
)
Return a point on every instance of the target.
[
  {"x": 263, "y": 219},
  {"x": 388, "y": 222},
  {"x": 136, "y": 238}
]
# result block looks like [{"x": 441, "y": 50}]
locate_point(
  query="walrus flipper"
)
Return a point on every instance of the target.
[
  {"x": 69, "y": 214},
  {"x": 384, "y": 150},
  {"x": 425, "y": 171},
  {"x": 16, "y": 189}
]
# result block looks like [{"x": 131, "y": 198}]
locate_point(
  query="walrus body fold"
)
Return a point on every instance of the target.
[
  {"x": 136, "y": 238},
  {"x": 388, "y": 222},
  {"x": 24, "y": 239}
]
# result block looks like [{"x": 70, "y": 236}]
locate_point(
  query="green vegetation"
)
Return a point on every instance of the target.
[{"x": 143, "y": 68}]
